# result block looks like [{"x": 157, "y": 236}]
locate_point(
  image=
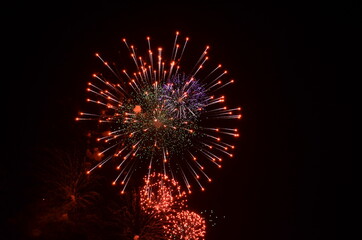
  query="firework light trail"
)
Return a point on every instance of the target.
[{"x": 160, "y": 118}]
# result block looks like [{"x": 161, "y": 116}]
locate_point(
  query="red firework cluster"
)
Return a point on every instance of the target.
[
  {"x": 186, "y": 225},
  {"x": 162, "y": 198},
  {"x": 161, "y": 194}
]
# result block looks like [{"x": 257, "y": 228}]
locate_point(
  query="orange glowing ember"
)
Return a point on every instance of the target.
[{"x": 137, "y": 109}]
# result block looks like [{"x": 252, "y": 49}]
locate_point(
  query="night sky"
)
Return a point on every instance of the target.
[{"x": 288, "y": 62}]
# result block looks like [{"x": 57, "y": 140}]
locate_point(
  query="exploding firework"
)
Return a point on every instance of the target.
[
  {"x": 67, "y": 185},
  {"x": 186, "y": 225},
  {"x": 184, "y": 98},
  {"x": 161, "y": 194},
  {"x": 160, "y": 118}
]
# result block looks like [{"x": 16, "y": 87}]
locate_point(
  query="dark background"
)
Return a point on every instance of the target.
[{"x": 292, "y": 67}]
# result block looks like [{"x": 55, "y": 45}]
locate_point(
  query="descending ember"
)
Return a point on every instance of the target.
[{"x": 160, "y": 118}]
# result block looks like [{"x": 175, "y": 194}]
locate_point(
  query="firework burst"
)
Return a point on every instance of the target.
[
  {"x": 135, "y": 223},
  {"x": 186, "y": 225},
  {"x": 161, "y": 194},
  {"x": 159, "y": 118}
]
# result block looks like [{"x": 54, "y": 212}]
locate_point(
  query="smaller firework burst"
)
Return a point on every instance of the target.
[
  {"x": 66, "y": 183},
  {"x": 184, "y": 97},
  {"x": 160, "y": 194},
  {"x": 133, "y": 221},
  {"x": 186, "y": 225}
]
